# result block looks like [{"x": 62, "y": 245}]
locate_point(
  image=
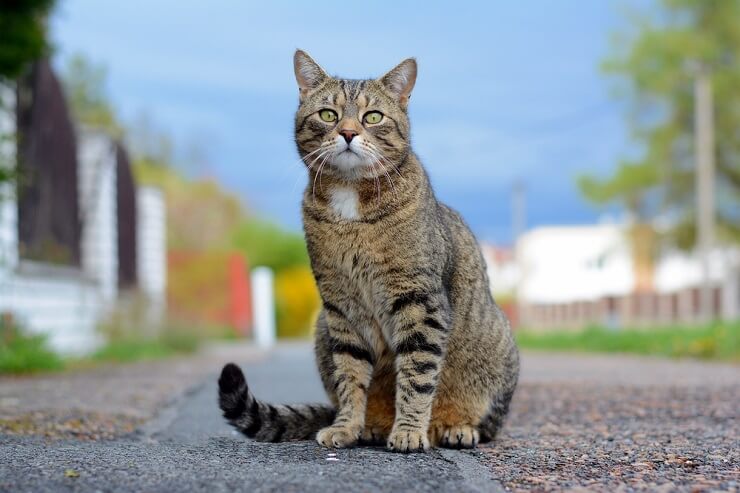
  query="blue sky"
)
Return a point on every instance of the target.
[{"x": 507, "y": 91}]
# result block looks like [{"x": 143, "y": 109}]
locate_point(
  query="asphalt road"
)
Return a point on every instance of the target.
[{"x": 188, "y": 447}]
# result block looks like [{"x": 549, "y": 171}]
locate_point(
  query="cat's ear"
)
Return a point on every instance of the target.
[
  {"x": 307, "y": 72},
  {"x": 400, "y": 81}
]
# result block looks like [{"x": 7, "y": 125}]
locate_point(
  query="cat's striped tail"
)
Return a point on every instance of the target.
[{"x": 267, "y": 422}]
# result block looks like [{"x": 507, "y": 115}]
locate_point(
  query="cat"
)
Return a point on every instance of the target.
[{"x": 411, "y": 347}]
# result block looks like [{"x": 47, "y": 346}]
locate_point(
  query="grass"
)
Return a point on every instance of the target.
[
  {"x": 716, "y": 341},
  {"x": 25, "y": 353},
  {"x": 130, "y": 350}
]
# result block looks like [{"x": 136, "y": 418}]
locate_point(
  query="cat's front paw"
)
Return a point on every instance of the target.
[
  {"x": 408, "y": 441},
  {"x": 337, "y": 436}
]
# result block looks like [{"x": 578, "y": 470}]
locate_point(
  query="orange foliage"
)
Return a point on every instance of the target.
[{"x": 208, "y": 289}]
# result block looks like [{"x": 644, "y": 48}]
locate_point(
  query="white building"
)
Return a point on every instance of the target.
[
  {"x": 576, "y": 275},
  {"x": 503, "y": 272},
  {"x": 562, "y": 264},
  {"x": 68, "y": 302},
  {"x": 151, "y": 247}
]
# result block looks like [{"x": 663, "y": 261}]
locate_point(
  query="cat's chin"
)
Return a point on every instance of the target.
[{"x": 352, "y": 166}]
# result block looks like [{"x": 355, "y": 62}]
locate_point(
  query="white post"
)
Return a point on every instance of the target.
[
  {"x": 263, "y": 306},
  {"x": 731, "y": 289}
]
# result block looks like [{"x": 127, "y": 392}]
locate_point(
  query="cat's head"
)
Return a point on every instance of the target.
[{"x": 352, "y": 128}]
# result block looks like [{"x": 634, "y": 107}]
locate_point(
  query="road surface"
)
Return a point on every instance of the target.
[{"x": 601, "y": 422}]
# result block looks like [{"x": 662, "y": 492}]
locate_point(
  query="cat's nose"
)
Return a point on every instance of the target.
[{"x": 348, "y": 134}]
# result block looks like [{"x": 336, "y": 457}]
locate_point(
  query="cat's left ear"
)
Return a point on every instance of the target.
[
  {"x": 400, "y": 81},
  {"x": 308, "y": 73}
]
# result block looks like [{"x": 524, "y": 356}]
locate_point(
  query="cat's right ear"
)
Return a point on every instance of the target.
[{"x": 308, "y": 73}]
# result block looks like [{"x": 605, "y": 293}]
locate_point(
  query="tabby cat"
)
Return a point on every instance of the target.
[{"x": 411, "y": 348}]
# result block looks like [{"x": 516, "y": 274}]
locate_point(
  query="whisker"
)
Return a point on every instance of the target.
[
  {"x": 385, "y": 159},
  {"x": 388, "y": 177},
  {"x": 300, "y": 162},
  {"x": 322, "y": 150},
  {"x": 318, "y": 173},
  {"x": 376, "y": 157}
]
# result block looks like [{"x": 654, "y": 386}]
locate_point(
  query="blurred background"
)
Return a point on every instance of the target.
[{"x": 150, "y": 188}]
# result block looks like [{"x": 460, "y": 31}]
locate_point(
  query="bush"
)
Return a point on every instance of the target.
[
  {"x": 21, "y": 352},
  {"x": 269, "y": 245},
  {"x": 297, "y": 300}
]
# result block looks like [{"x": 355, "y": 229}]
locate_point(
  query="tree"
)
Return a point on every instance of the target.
[
  {"x": 652, "y": 66},
  {"x": 22, "y": 40},
  {"x": 22, "y": 34},
  {"x": 85, "y": 86}
]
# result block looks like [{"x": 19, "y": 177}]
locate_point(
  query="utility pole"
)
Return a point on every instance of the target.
[
  {"x": 518, "y": 225},
  {"x": 518, "y": 210},
  {"x": 705, "y": 197}
]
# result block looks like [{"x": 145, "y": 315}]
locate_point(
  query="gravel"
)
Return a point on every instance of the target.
[
  {"x": 106, "y": 401},
  {"x": 653, "y": 425}
]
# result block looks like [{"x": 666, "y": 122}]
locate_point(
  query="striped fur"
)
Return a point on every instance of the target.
[
  {"x": 411, "y": 347},
  {"x": 267, "y": 422}
]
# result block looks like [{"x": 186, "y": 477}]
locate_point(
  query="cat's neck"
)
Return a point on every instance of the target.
[{"x": 354, "y": 199}]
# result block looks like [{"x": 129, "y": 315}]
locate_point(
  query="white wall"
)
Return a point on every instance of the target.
[
  {"x": 503, "y": 271},
  {"x": 574, "y": 263},
  {"x": 55, "y": 301},
  {"x": 151, "y": 249},
  {"x": 8, "y": 207},
  {"x": 679, "y": 270},
  {"x": 96, "y": 174}
]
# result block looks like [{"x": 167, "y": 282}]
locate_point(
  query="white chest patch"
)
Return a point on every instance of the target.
[{"x": 345, "y": 202}]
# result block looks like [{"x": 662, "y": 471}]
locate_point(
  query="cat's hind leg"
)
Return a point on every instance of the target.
[{"x": 456, "y": 417}]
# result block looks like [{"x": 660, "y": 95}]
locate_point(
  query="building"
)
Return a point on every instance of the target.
[
  {"x": 76, "y": 234},
  {"x": 574, "y": 276}
]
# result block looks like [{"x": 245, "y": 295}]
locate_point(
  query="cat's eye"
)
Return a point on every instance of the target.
[
  {"x": 373, "y": 117},
  {"x": 328, "y": 115}
]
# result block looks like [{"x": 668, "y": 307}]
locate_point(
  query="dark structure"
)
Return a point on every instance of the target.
[
  {"x": 126, "y": 210},
  {"x": 48, "y": 210}
]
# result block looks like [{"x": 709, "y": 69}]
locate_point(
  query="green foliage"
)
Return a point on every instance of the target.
[
  {"x": 85, "y": 87},
  {"x": 22, "y": 40},
  {"x": 720, "y": 341},
  {"x": 129, "y": 338},
  {"x": 22, "y": 34},
  {"x": 631, "y": 184},
  {"x": 138, "y": 349},
  {"x": 25, "y": 353},
  {"x": 652, "y": 65},
  {"x": 269, "y": 245}
]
